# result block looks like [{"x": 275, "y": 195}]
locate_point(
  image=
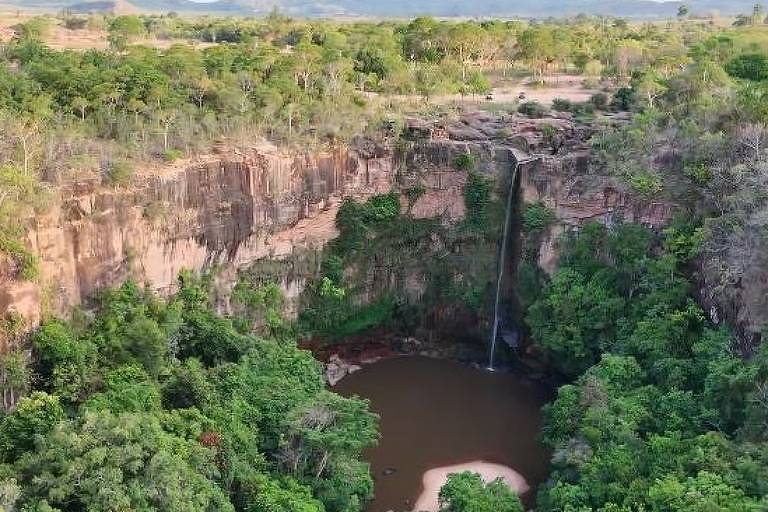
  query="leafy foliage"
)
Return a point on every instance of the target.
[
  {"x": 163, "y": 405},
  {"x": 660, "y": 415},
  {"x": 537, "y": 217},
  {"x": 466, "y": 492},
  {"x": 477, "y": 197},
  {"x": 749, "y": 66}
]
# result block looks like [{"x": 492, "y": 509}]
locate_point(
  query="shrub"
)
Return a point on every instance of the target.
[
  {"x": 415, "y": 193},
  {"x": 698, "y": 172},
  {"x": 646, "y": 184},
  {"x": 465, "y": 162},
  {"x": 749, "y": 66},
  {"x": 36, "y": 28},
  {"x": 562, "y": 105},
  {"x": 624, "y": 99},
  {"x": 75, "y": 22},
  {"x": 352, "y": 229},
  {"x": 477, "y": 196},
  {"x": 532, "y": 109},
  {"x": 172, "y": 154},
  {"x": 27, "y": 264},
  {"x": 550, "y": 135},
  {"x": 537, "y": 217},
  {"x": 599, "y": 101},
  {"x": 380, "y": 208},
  {"x": 119, "y": 173}
]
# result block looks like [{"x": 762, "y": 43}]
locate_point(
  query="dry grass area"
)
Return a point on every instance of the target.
[
  {"x": 82, "y": 39},
  {"x": 61, "y": 37},
  {"x": 514, "y": 91}
]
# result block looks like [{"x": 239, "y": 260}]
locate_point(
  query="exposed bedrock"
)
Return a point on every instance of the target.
[
  {"x": 232, "y": 209},
  {"x": 223, "y": 211}
]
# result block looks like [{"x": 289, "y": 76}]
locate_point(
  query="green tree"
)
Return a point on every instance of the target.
[
  {"x": 477, "y": 83},
  {"x": 749, "y": 66},
  {"x": 35, "y": 416},
  {"x": 37, "y": 28},
  {"x": 467, "y": 492},
  {"x": 108, "y": 462},
  {"x": 127, "y": 28},
  {"x": 588, "y": 312},
  {"x": 539, "y": 47}
]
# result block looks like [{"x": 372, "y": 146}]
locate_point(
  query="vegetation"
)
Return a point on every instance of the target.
[
  {"x": 153, "y": 404},
  {"x": 467, "y": 492},
  {"x": 164, "y": 405},
  {"x": 664, "y": 413},
  {"x": 379, "y": 248}
]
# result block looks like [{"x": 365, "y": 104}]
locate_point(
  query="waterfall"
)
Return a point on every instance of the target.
[{"x": 501, "y": 267}]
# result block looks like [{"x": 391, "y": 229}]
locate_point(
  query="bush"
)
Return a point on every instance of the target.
[
  {"x": 537, "y": 217},
  {"x": 380, "y": 208},
  {"x": 36, "y": 28},
  {"x": 172, "y": 154},
  {"x": 562, "y": 105},
  {"x": 27, "y": 264},
  {"x": 532, "y": 109},
  {"x": 477, "y": 196},
  {"x": 624, "y": 99},
  {"x": 119, "y": 173},
  {"x": 415, "y": 193},
  {"x": 750, "y": 66},
  {"x": 465, "y": 162},
  {"x": 646, "y": 184},
  {"x": 551, "y": 137},
  {"x": 75, "y": 22},
  {"x": 599, "y": 101},
  {"x": 698, "y": 172}
]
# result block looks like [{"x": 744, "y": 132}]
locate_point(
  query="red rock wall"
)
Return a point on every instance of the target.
[{"x": 226, "y": 211}]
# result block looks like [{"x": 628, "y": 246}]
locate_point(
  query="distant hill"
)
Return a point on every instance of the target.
[
  {"x": 111, "y": 6},
  {"x": 404, "y": 8}
]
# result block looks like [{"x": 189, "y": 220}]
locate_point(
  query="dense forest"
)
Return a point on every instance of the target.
[
  {"x": 164, "y": 405},
  {"x": 664, "y": 413},
  {"x": 149, "y": 403}
]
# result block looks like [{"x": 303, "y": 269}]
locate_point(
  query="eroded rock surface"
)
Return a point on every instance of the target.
[{"x": 231, "y": 209}]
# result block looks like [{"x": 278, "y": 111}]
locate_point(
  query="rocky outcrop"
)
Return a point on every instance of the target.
[
  {"x": 224, "y": 211},
  {"x": 563, "y": 181},
  {"x": 232, "y": 209},
  {"x": 564, "y": 184}
]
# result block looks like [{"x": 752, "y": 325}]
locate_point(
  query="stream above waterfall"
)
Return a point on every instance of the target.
[{"x": 436, "y": 414}]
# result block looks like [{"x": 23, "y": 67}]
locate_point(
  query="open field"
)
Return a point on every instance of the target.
[{"x": 61, "y": 37}]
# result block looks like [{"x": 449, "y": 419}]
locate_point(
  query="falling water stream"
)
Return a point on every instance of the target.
[{"x": 502, "y": 267}]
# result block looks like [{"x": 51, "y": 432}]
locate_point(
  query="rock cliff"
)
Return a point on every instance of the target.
[
  {"x": 230, "y": 210},
  {"x": 224, "y": 210}
]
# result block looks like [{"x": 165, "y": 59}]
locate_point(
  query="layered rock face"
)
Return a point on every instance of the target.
[
  {"x": 562, "y": 181},
  {"x": 223, "y": 211},
  {"x": 230, "y": 210}
]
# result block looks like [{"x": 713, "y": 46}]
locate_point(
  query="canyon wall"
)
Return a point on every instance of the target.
[
  {"x": 224, "y": 210},
  {"x": 267, "y": 208}
]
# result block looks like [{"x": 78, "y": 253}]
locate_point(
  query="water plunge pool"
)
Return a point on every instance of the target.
[{"x": 436, "y": 414}]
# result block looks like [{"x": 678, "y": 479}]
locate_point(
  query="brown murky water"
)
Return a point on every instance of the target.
[{"x": 437, "y": 413}]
